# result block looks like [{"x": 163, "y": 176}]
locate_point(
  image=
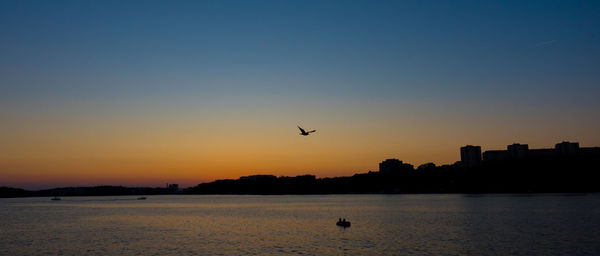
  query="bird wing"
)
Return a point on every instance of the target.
[
  {"x": 312, "y": 131},
  {"x": 302, "y": 130}
]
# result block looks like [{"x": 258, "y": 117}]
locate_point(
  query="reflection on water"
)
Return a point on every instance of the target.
[{"x": 233, "y": 225}]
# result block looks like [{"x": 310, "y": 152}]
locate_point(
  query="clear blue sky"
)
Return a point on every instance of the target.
[{"x": 433, "y": 73}]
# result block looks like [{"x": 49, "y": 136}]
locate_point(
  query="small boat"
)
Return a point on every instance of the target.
[
  {"x": 141, "y": 198},
  {"x": 343, "y": 223},
  {"x": 55, "y": 198}
]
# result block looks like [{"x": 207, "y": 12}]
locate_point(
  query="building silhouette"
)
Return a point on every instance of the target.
[
  {"x": 495, "y": 155},
  {"x": 519, "y": 151},
  {"x": 541, "y": 153},
  {"x": 514, "y": 151},
  {"x": 470, "y": 156},
  {"x": 587, "y": 152},
  {"x": 566, "y": 148}
]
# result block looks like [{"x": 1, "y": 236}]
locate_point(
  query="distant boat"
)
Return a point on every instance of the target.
[
  {"x": 343, "y": 223},
  {"x": 55, "y": 198},
  {"x": 141, "y": 198}
]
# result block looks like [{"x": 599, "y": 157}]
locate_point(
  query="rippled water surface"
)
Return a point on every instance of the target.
[{"x": 267, "y": 225}]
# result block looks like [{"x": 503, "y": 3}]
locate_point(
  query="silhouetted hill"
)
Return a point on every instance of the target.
[{"x": 13, "y": 192}]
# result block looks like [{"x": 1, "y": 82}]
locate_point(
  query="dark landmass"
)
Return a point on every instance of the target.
[
  {"x": 85, "y": 191},
  {"x": 564, "y": 169},
  {"x": 13, "y": 192},
  {"x": 568, "y": 175}
]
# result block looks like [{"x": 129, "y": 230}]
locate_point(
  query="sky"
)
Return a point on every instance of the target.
[{"x": 143, "y": 93}]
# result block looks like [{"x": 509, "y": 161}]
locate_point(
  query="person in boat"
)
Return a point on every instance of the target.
[{"x": 343, "y": 223}]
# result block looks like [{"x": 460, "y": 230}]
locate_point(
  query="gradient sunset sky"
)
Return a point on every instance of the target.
[{"x": 149, "y": 92}]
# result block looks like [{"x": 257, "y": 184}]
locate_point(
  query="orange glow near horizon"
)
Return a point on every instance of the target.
[{"x": 153, "y": 151}]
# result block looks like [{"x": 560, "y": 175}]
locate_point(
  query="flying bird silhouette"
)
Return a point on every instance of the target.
[{"x": 305, "y": 133}]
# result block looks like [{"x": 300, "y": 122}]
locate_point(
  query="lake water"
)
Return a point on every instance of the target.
[{"x": 272, "y": 225}]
